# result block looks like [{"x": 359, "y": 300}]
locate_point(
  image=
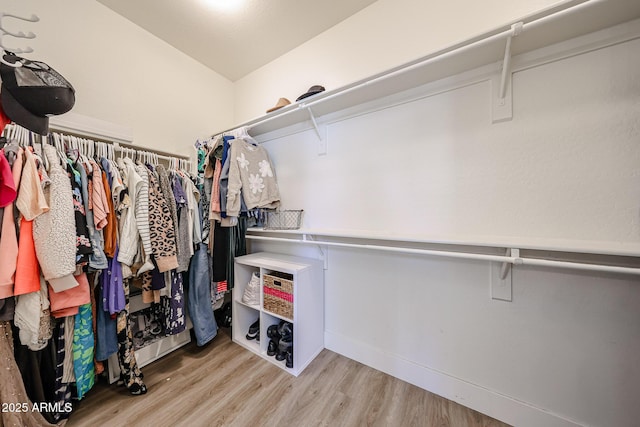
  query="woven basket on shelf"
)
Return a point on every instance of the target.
[{"x": 278, "y": 294}]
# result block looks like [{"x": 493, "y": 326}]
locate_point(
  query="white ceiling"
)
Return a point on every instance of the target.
[{"x": 236, "y": 42}]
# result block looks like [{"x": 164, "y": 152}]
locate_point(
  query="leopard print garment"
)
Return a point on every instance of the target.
[{"x": 161, "y": 228}]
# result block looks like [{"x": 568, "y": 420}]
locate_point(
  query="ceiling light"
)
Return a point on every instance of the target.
[{"x": 225, "y": 5}]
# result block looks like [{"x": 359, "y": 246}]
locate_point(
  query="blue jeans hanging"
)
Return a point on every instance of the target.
[{"x": 199, "y": 297}]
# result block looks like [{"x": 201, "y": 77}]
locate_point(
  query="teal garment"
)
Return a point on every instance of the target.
[
  {"x": 202, "y": 156},
  {"x": 83, "y": 351}
]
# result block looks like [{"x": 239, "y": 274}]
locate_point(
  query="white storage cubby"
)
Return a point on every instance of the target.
[{"x": 308, "y": 306}]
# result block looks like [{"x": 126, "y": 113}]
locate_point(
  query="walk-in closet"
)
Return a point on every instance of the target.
[{"x": 292, "y": 213}]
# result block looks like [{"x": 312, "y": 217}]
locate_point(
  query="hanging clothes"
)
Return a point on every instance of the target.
[
  {"x": 62, "y": 389},
  {"x": 129, "y": 371},
  {"x": 161, "y": 227},
  {"x": 97, "y": 259},
  {"x": 106, "y": 333},
  {"x": 199, "y": 297},
  {"x": 113, "y": 295},
  {"x": 33, "y": 318},
  {"x": 9, "y": 238},
  {"x": 129, "y": 234},
  {"x": 110, "y": 231},
  {"x": 184, "y": 239},
  {"x": 250, "y": 171},
  {"x": 54, "y": 232},
  {"x": 83, "y": 242},
  {"x": 13, "y": 391},
  {"x": 167, "y": 192},
  {"x": 83, "y": 351},
  {"x": 38, "y": 371},
  {"x": 31, "y": 203},
  {"x": 75, "y": 251},
  {"x": 142, "y": 218},
  {"x": 195, "y": 221},
  {"x": 173, "y": 306}
]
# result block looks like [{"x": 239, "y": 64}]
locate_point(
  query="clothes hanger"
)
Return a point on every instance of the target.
[
  {"x": 92, "y": 149},
  {"x": 57, "y": 144},
  {"x": 84, "y": 153},
  {"x": 32, "y": 138},
  {"x": 71, "y": 148},
  {"x": 98, "y": 151},
  {"x": 241, "y": 133},
  {"x": 46, "y": 140}
]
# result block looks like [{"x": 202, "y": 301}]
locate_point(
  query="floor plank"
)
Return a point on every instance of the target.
[{"x": 222, "y": 384}]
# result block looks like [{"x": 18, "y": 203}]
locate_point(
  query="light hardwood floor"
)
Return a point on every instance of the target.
[{"x": 223, "y": 384}]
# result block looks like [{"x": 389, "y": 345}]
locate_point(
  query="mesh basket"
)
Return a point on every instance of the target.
[{"x": 283, "y": 220}]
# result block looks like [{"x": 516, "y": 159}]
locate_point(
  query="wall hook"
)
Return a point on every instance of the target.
[{"x": 19, "y": 34}]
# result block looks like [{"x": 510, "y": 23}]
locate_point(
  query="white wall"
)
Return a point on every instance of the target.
[
  {"x": 563, "y": 169},
  {"x": 382, "y": 36},
  {"x": 124, "y": 75},
  {"x": 565, "y": 351}
]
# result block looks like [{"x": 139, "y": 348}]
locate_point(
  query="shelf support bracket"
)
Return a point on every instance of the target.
[
  {"x": 322, "y": 141},
  {"x": 501, "y": 276},
  {"x": 324, "y": 250},
  {"x": 502, "y": 105},
  {"x": 315, "y": 124}
]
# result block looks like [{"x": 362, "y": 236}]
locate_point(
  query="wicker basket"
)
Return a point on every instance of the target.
[
  {"x": 278, "y": 294},
  {"x": 283, "y": 220}
]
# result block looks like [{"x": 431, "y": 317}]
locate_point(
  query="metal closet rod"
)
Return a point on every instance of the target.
[
  {"x": 120, "y": 145},
  {"x": 463, "y": 255},
  {"x": 160, "y": 154},
  {"x": 531, "y": 21}
]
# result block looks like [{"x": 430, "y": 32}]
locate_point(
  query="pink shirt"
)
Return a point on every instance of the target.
[
  {"x": 7, "y": 186},
  {"x": 8, "y": 238},
  {"x": 99, "y": 203},
  {"x": 66, "y": 303}
]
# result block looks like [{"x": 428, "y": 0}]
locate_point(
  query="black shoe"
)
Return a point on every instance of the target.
[
  {"x": 254, "y": 331},
  {"x": 137, "y": 389},
  {"x": 285, "y": 329},
  {"x": 273, "y": 348},
  {"x": 283, "y": 347},
  {"x": 272, "y": 332},
  {"x": 289, "y": 359}
]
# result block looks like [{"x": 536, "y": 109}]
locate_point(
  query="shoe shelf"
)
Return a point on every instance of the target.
[
  {"x": 308, "y": 306},
  {"x": 252, "y": 306}
]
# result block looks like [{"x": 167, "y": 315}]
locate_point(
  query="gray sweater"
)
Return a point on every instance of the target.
[{"x": 250, "y": 171}]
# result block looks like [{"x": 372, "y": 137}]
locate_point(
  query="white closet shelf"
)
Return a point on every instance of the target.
[
  {"x": 562, "y": 22},
  {"x": 491, "y": 249}
]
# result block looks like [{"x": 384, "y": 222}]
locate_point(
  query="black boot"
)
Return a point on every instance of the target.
[
  {"x": 289, "y": 359},
  {"x": 274, "y": 335},
  {"x": 285, "y": 329},
  {"x": 273, "y": 348},
  {"x": 284, "y": 346}
]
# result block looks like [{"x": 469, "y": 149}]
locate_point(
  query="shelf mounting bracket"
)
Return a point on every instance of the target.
[
  {"x": 501, "y": 276},
  {"x": 324, "y": 250},
  {"x": 322, "y": 140},
  {"x": 502, "y": 99}
]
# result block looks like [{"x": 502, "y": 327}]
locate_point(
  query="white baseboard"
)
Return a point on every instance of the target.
[{"x": 488, "y": 402}]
